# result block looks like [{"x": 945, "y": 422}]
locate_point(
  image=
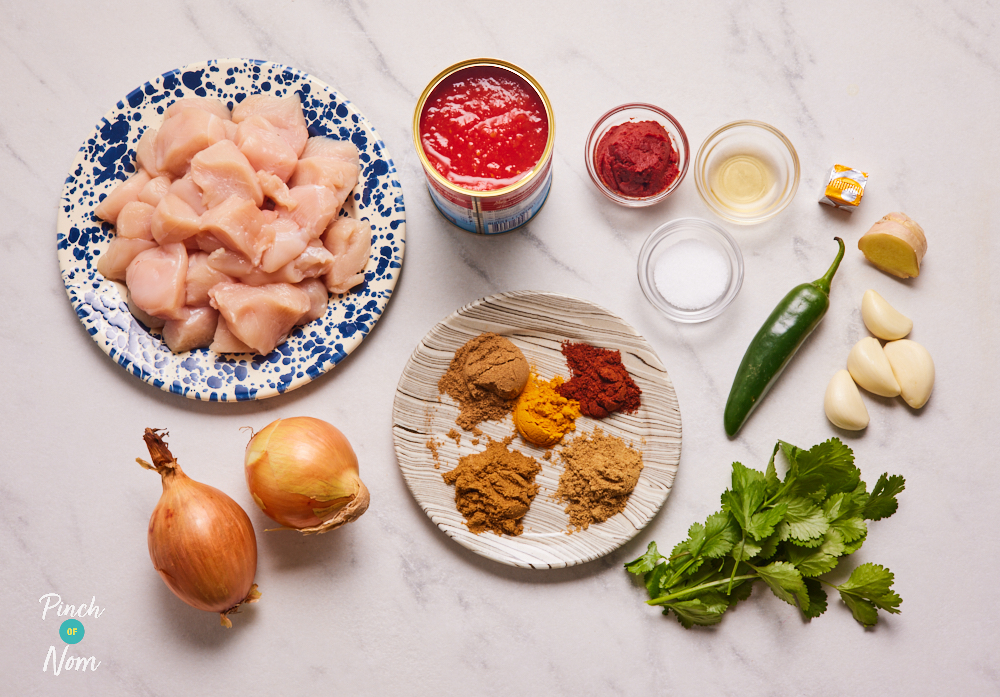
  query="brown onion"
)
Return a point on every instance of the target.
[
  {"x": 303, "y": 473},
  {"x": 200, "y": 540}
]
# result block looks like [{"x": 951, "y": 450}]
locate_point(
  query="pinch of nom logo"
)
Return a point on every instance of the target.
[{"x": 71, "y": 632}]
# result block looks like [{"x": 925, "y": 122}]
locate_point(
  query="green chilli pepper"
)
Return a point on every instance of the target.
[{"x": 783, "y": 332}]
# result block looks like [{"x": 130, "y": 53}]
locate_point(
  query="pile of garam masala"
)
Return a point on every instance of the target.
[{"x": 489, "y": 378}]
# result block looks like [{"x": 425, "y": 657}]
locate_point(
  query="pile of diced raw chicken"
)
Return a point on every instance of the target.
[{"x": 229, "y": 234}]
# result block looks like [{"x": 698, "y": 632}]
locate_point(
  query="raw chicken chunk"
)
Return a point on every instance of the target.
[
  {"x": 209, "y": 104},
  {"x": 200, "y": 279},
  {"x": 221, "y": 171},
  {"x": 120, "y": 253},
  {"x": 284, "y": 113},
  {"x": 174, "y": 220},
  {"x": 135, "y": 221},
  {"x": 148, "y": 320},
  {"x": 225, "y": 341},
  {"x": 339, "y": 177},
  {"x": 189, "y": 192},
  {"x": 330, "y": 163},
  {"x": 315, "y": 207},
  {"x": 313, "y": 262},
  {"x": 276, "y": 190},
  {"x": 145, "y": 153},
  {"x": 126, "y": 192},
  {"x": 289, "y": 241},
  {"x": 322, "y": 146},
  {"x": 265, "y": 148},
  {"x": 155, "y": 190},
  {"x": 183, "y": 135},
  {"x": 237, "y": 223},
  {"x": 349, "y": 241},
  {"x": 196, "y": 330},
  {"x": 260, "y": 316},
  {"x": 156, "y": 279},
  {"x": 204, "y": 241},
  {"x": 318, "y": 298}
]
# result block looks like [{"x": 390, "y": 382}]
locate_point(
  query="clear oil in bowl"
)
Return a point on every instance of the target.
[{"x": 744, "y": 182}]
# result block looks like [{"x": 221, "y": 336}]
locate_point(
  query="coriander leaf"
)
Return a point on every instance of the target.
[
  {"x": 705, "y": 610},
  {"x": 646, "y": 562},
  {"x": 854, "y": 545},
  {"x": 786, "y": 582},
  {"x": 714, "y": 538},
  {"x": 805, "y": 519},
  {"x": 863, "y": 611},
  {"x": 745, "y": 549},
  {"x": 655, "y": 579},
  {"x": 844, "y": 513},
  {"x": 868, "y": 589},
  {"x": 817, "y": 560},
  {"x": 850, "y": 529},
  {"x": 762, "y": 524},
  {"x": 720, "y": 535},
  {"x": 771, "y": 481},
  {"x": 882, "y": 502},
  {"x": 768, "y": 546},
  {"x": 817, "y": 598},
  {"x": 741, "y": 591},
  {"x": 746, "y": 496},
  {"x": 829, "y": 465},
  {"x": 873, "y": 583}
]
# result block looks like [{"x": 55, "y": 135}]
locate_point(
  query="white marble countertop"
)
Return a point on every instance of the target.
[{"x": 908, "y": 91}]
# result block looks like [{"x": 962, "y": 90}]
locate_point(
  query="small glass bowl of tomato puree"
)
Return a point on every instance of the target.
[{"x": 637, "y": 154}]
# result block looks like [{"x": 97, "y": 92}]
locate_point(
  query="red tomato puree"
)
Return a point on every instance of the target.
[
  {"x": 484, "y": 128},
  {"x": 636, "y": 159}
]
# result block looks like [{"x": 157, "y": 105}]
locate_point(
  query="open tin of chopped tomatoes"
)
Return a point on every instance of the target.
[{"x": 484, "y": 132}]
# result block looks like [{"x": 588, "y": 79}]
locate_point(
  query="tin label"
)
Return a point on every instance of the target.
[{"x": 494, "y": 216}]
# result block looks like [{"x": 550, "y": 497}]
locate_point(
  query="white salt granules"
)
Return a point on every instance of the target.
[{"x": 691, "y": 274}]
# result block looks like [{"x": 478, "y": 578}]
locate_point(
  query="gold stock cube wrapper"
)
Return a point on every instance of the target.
[{"x": 844, "y": 188}]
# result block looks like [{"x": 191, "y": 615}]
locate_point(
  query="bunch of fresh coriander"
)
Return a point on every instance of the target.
[{"x": 786, "y": 533}]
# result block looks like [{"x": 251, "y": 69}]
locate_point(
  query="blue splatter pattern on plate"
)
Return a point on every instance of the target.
[{"x": 107, "y": 158}]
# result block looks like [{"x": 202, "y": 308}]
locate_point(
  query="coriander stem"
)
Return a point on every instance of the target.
[{"x": 664, "y": 599}]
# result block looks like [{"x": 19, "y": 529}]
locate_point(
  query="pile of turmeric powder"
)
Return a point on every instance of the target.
[{"x": 542, "y": 416}]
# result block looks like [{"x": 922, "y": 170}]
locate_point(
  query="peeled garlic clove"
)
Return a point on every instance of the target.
[
  {"x": 870, "y": 368},
  {"x": 882, "y": 319},
  {"x": 843, "y": 404},
  {"x": 914, "y": 370}
]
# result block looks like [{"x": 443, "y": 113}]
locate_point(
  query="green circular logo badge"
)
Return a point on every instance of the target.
[{"x": 71, "y": 631}]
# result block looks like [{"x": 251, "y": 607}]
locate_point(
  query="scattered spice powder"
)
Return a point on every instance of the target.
[
  {"x": 494, "y": 488},
  {"x": 601, "y": 471},
  {"x": 456, "y": 436},
  {"x": 475, "y": 403},
  {"x": 433, "y": 447},
  {"x": 600, "y": 382}
]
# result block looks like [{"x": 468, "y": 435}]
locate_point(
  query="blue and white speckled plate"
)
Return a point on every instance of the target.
[{"x": 107, "y": 157}]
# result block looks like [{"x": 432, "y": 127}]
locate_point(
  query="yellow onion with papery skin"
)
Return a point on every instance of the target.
[
  {"x": 303, "y": 473},
  {"x": 200, "y": 541}
]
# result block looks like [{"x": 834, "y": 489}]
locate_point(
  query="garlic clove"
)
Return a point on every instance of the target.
[
  {"x": 843, "y": 404},
  {"x": 914, "y": 370},
  {"x": 870, "y": 368},
  {"x": 882, "y": 319}
]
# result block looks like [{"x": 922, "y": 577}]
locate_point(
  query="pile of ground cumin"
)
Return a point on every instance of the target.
[
  {"x": 485, "y": 377},
  {"x": 494, "y": 488},
  {"x": 600, "y": 473}
]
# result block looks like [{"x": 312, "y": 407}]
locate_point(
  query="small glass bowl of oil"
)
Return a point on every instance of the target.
[{"x": 746, "y": 172}]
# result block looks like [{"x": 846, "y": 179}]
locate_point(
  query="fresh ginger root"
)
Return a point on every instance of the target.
[{"x": 895, "y": 244}]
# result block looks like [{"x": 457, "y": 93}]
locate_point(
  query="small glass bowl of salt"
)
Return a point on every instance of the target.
[{"x": 690, "y": 269}]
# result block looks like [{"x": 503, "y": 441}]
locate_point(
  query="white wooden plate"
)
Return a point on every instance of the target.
[{"x": 537, "y": 323}]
